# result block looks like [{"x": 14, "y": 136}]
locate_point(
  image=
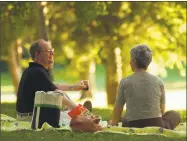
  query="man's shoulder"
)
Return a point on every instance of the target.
[{"x": 33, "y": 70}]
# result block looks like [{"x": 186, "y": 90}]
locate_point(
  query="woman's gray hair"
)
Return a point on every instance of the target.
[{"x": 142, "y": 55}]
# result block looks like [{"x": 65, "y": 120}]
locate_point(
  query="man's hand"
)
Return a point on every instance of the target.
[{"x": 81, "y": 85}]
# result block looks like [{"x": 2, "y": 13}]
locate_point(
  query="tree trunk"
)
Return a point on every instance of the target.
[
  {"x": 90, "y": 76},
  {"x": 14, "y": 64},
  {"x": 10, "y": 51},
  {"x": 112, "y": 76},
  {"x": 43, "y": 29},
  {"x": 1, "y": 37},
  {"x": 43, "y": 32}
]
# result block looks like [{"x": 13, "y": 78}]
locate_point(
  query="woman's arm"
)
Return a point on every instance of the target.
[
  {"x": 162, "y": 107},
  {"x": 119, "y": 104},
  {"x": 117, "y": 111},
  {"x": 162, "y": 99}
]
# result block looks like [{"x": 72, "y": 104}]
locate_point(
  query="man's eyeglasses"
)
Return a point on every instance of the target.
[{"x": 50, "y": 51}]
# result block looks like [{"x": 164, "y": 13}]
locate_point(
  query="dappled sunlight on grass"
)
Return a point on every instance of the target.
[
  {"x": 7, "y": 89},
  {"x": 8, "y": 98},
  {"x": 175, "y": 99}
]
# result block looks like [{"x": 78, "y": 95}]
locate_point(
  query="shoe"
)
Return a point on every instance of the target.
[{"x": 88, "y": 105}]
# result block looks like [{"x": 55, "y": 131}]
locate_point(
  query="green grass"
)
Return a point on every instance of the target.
[
  {"x": 105, "y": 113},
  {"x": 72, "y": 136},
  {"x": 5, "y": 79},
  {"x": 46, "y": 135}
]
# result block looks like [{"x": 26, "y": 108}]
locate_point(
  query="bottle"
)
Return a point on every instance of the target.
[
  {"x": 64, "y": 118},
  {"x": 87, "y": 84}
]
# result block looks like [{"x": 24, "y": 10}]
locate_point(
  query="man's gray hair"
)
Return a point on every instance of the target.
[
  {"x": 142, "y": 54},
  {"x": 35, "y": 47}
]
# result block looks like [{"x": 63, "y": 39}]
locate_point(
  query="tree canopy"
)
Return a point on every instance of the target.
[{"x": 101, "y": 32}]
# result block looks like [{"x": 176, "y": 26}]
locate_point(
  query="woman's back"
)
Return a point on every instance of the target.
[{"x": 142, "y": 94}]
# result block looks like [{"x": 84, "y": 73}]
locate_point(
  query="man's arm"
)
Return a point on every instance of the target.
[{"x": 75, "y": 87}]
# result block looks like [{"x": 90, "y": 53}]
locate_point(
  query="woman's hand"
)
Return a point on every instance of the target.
[{"x": 112, "y": 123}]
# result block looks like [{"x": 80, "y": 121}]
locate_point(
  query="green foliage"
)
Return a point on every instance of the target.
[
  {"x": 161, "y": 25},
  {"x": 88, "y": 11},
  {"x": 14, "y": 17},
  {"x": 85, "y": 31}
]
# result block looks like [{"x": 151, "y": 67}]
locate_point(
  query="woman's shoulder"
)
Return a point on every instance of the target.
[
  {"x": 127, "y": 79},
  {"x": 157, "y": 78}
]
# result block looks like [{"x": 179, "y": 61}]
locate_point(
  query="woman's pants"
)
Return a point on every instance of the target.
[{"x": 169, "y": 121}]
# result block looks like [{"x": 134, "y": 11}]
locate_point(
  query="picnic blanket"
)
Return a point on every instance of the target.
[{"x": 11, "y": 124}]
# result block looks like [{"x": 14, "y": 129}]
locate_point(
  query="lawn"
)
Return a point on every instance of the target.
[
  {"x": 46, "y": 135},
  {"x": 172, "y": 81},
  {"x": 72, "y": 136}
]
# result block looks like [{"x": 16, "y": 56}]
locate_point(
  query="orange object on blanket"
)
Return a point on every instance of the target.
[{"x": 79, "y": 110}]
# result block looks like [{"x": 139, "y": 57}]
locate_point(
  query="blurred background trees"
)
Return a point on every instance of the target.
[{"x": 88, "y": 34}]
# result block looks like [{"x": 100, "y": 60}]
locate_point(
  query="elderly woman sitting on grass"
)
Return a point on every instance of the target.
[{"x": 144, "y": 96}]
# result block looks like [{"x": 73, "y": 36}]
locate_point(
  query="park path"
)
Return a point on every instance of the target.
[{"x": 175, "y": 99}]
